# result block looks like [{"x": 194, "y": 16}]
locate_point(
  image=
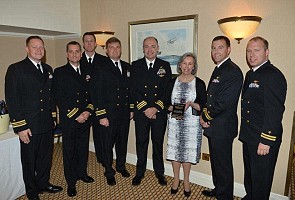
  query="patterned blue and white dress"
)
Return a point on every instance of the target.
[{"x": 184, "y": 136}]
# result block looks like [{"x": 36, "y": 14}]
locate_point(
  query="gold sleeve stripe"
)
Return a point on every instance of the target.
[
  {"x": 19, "y": 123},
  {"x": 72, "y": 112},
  {"x": 90, "y": 106},
  {"x": 141, "y": 105},
  {"x": 132, "y": 105},
  {"x": 100, "y": 112},
  {"x": 53, "y": 114},
  {"x": 268, "y": 137},
  {"x": 207, "y": 114},
  {"x": 160, "y": 103}
]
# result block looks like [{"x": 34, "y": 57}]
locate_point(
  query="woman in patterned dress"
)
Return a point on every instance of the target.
[{"x": 185, "y": 133}]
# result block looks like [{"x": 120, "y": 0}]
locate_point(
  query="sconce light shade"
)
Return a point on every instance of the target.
[
  {"x": 102, "y": 36},
  {"x": 239, "y": 27}
]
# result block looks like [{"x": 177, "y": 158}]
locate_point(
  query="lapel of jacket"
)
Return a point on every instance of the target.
[
  {"x": 156, "y": 66},
  {"x": 218, "y": 71},
  {"x": 247, "y": 81},
  {"x": 46, "y": 73},
  {"x": 124, "y": 70},
  {"x": 73, "y": 73},
  {"x": 114, "y": 69},
  {"x": 144, "y": 65},
  {"x": 34, "y": 71}
]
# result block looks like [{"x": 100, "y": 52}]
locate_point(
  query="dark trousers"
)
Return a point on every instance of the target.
[
  {"x": 97, "y": 139},
  {"x": 142, "y": 130},
  {"x": 75, "y": 143},
  {"x": 259, "y": 171},
  {"x": 36, "y": 162},
  {"x": 115, "y": 134},
  {"x": 222, "y": 167}
]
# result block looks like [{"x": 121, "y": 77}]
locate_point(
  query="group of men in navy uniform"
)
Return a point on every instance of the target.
[
  {"x": 106, "y": 92},
  {"x": 263, "y": 98},
  {"x": 90, "y": 89}
]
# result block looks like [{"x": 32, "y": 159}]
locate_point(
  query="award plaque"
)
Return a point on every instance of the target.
[{"x": 178, "y": 111}]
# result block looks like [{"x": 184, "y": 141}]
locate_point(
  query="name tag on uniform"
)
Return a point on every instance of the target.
[{"x": 255, "y": 84}]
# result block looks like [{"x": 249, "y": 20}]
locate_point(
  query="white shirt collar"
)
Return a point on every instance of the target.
[
  {"x": 92, "y": 57},
  {"x": 74, "y": 67},
  {"x": 222, "y": 62},
  {"x": 148, "y": 62},
  {"x": 35, "y": 63},
  {"x": 255, "y": 68},
  {"x": 118, "y": 61}
]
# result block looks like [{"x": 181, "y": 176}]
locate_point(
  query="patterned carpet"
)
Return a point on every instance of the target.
[{"x": 149, "y": 188}]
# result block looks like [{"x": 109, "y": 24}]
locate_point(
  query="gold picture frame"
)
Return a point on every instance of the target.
[{"x": 175, "y": 35}]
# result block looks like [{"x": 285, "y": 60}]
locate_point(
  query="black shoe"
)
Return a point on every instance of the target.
[
  {"x": 100, "y": 162},
  {"x": 174, "y": 191},
  {"x": 209, "y": 193},
  {"x": 111, "y": 180},
  {"x": 35, "y": 197},
  {"x": 51, "y": 189},
  {"x": 124, "y": 173},
  {"x": 161, "y": 179},
  {"x": 187, "y": 194},
  {"x": 72, "y": 191},
  {"x": 86, "y": 179},
  {"x": 136, "y": 180}
]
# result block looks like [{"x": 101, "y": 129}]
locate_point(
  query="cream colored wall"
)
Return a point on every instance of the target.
[{"x": 277, "y": 27}]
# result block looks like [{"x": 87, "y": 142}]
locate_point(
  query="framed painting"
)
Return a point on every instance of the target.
[{"x": 175, "y": 35}]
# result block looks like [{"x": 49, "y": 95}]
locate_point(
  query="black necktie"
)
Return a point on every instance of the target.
[
  {"x": 117, "y": 65},
  {"x": 39, "y": 68},
  {"x": 89, "y": 60},
  {"x": 78, "y": 71},
  {"x": 151, "y": 66}
]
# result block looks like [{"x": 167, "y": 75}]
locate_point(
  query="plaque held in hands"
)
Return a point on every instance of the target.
[{"x": 178, "y": 110}]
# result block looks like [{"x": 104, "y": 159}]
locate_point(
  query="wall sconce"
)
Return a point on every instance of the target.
[
  {"x": 102, "y": 36},
  {"x": 239, "y": 27}
]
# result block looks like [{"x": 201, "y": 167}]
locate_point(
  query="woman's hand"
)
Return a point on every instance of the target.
[{"x": 193, "y": 105}]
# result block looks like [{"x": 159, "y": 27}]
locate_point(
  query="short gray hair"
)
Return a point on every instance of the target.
[{"x": 184, "y": 56}]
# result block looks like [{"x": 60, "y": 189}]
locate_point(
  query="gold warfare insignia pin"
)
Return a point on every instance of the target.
[{"x": 161, "y": 72}]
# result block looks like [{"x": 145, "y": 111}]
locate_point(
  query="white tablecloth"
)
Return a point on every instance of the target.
[{"x": 11, "y": 177}]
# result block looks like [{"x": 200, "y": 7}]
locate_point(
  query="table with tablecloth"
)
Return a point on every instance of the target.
[{"x": 11, "y": 177}]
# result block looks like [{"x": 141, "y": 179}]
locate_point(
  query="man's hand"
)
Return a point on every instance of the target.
[
  {"x": 86, "y": 114},
  {"x": 203, "y": 123},
  {"x": 81, "y": 118},
  {"x": 104, "y": 122},
  {"x": 263, "y": 149},
  {"x": 193, "y": 105},
  {"x": 170, "y": 108},
  {"x": 150, "y": 112},
  {"x": 24, "y": 136}
]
